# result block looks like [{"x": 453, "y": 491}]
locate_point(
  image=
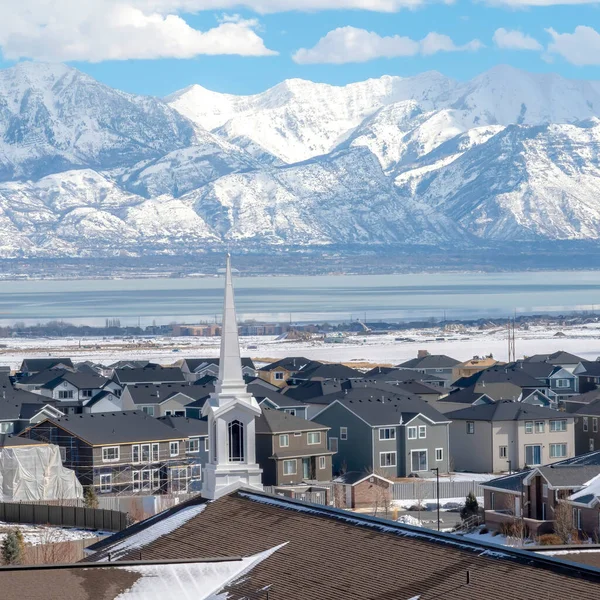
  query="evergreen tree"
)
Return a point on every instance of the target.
[
  {"x": 90, "y": 498},
  {"x": 11, "y": 549},
  {"x": 20, "y": 540},
  {"x": 470, "y": 508}
]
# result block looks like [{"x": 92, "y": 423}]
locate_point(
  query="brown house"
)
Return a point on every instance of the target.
[
  {"x": 122, "y": 452},
  {"x": 279, "y": 372},
  {"x": 291, "y": 450},
  {"x": 362, "y": 490},
  {"x": 472, "y": 366}
]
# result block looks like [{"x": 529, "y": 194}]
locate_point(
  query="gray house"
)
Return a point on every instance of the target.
[
  {"x": 505, "y": 435},
  {"x": 163, "y": 400},
  {"x": 197, "y": 368},
  {"x": 587, "y": 436},
  {"x": 391, "y": 436},
  {"x": 438, "y": 365}
]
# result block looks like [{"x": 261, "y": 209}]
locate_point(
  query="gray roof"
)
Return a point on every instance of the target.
[
  {"x": 592, "y": 409},
  {"x": 13, "y": 402},
  {"x": 309, "y": 390},
  {"x": 276, "y": 421},
  {"x": 81, "y": 380},
  {"x": 102, "y": 429},
  {"x": 194, "y": 363},
  {"x": 334, "y": 371},
  {"x": 431, "y": 361},
  {"x": 186, "y": 427},
  {"x": 500, "y": 374},
  {"x": 149, "y": 393},
  {"x": 41, "y": 364},
  {"x": 395, "y": 374},
  {"x": 150, "y": 375},
  {"x": 592, "y": 368},
  {"x": 506, "y": 410},
  {"x": 291, "y": 363},
  {"x": 556, "y": 358},
  {"x": 9, "y": 441},
  {"x": 495, "y": 391}
]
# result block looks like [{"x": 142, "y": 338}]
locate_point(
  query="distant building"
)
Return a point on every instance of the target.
[{"x": 474, "y": 365}]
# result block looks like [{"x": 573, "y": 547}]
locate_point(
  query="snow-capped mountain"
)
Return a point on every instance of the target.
[{"x": 86, "y": 170}]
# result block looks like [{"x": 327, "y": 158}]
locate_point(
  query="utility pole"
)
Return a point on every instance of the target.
[{"x": 437, "y": 493}]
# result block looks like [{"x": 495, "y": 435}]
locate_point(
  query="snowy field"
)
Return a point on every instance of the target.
[
  {"x": 583, "y": 340},
  {"x": 34, "y": 535}
]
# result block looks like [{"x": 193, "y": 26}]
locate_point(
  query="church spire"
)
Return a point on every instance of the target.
[{"x": 230, "y": 363}]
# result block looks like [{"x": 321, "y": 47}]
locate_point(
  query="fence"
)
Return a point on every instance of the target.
[
  {"x": 426, "y": 490},
  {"x": 63, "y": 516}
]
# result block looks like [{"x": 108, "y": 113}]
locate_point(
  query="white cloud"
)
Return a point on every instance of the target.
[
  {"x": 515, "y": 40},
  {"x": 582, "y": 47},
  {"x": 529, "y": 3},
  {"x": 353, "y": 45},
  {"x": 96, "y": 30}
]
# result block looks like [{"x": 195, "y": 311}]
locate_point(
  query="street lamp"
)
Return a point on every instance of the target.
[{"x": 437, "y": 485}]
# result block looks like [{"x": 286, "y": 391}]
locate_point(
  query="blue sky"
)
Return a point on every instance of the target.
[{"x": 263, "y": 43}]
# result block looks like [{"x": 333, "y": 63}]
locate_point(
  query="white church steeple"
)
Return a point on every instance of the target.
[{"x": 231, "y": 412}]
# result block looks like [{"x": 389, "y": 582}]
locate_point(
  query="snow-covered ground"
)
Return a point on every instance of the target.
[
  {"x": 430, "y": 504},
  {"x": 583, "y": 340},
  {"x": 35, "y": 535}
]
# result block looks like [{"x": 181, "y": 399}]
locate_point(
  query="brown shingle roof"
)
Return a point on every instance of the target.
[{"x": 332, "y": 554}]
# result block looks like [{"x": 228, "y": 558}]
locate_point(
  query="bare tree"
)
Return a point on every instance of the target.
[
  {"x": 563, "y": 522},
  {"x": 518, "y": 534},
  {"x": 339, "y": 495}
]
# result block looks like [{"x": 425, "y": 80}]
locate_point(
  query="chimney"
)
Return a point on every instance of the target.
[{"x": 422, "y": 353}]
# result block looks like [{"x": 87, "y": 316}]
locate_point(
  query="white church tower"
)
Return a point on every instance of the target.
[{"x": 231, "y": 414}]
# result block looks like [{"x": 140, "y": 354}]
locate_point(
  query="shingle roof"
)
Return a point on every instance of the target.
[
  {"x": 102, "y": 429},
  {"x": 364, "y": 563},
  {"x": 291, "y": 363},
  {"x": 506, "y": 410},
  {"x": 327, "y": 371},
  {"x": 500, "y": 375},
  {"x": 313, "y": 389},
  {"x": 150, "y": 375},
  {"x": 495, "y": 391},
  {"x": 148, "y": 393},
  {"x": 592, "y": 368},
  {"x": 41, "y": 364},
  {"x": 556, "y": 358},
  {"x": 194, "y": 363},
  {"x": 81, "y": 380},
  {"x": 276, "y": 421},
  {"x": 186, "y": 427},
  {"x": 10, "y": 441},
  {"x": 395, "y": 374},
  {"x": 591, "y": 409},
  {"x": 431, "y": 361}
]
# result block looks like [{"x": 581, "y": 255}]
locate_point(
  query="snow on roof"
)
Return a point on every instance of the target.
[
  {"x": 197, "y": 581},
  {"x": 153, "y": 532},
  {"x": 587, "y": 493}
]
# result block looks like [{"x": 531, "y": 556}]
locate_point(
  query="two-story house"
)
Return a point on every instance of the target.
[
  {"x": 197, "y": 368},
  {"x": 291, "y": 450},
  {"x": 439, "y": 365},
  {"x": 162, "y": 400},
  {"x": 395, "y": 374},
  {"x": 505, "y": 435},
  {"x": 390, "y": 435},
  {"x": 116, "y": 453},
  {"x": 149, "y": 374},
  {"x": 30, "y": 366},
  {"x": 278, "y": 373},
  {"x": 587, "y": 434},
  {"x": 588, "y": 374}
]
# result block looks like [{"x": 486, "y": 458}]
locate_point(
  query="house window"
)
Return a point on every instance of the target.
[
  {"x": 595, "y": 424},
  {"x": 63, "y": 453},
  {"x": 343, "y": 433},
  {"x": 136, "y": 481},
  {"x": 236, "y": 441},
  {"x": 284, "y": 440},
  {"x": 322, "y": 462},
  {"x": 297, "y": 433},
  {"x": 558, "y": 425},
  {"x": 422, "y": 431},
  {"x": 65, "y": 394},
  {"x": 591, "y": 445},
  {"x": 387, "y": 433},
  {"x": 418, "y": 460},
  {"x": 528, "y": 426},
  {"x": 86, "y": 393},
  {"x": 544, "y": 490},
  {"x": 439, "y": 454},
  {"x": 503, "y": 451},
  {"x": 577, "y": 518},
  {"x": 290, "y": 411},
  {"x": 539, "y": 426},
  {"x": 149, "y": 410},
  {"x": 196, "y": 472},
  {"x": 562, "y": 383},
  {"x": 470, "y": 426},
  {"x": 155, "y": 452},
  {"x": 145, "y": 452},
  {"x": 173, "y": 448},
  {"x": 105, "y": 483},
  {"x": 333, "y": 444},
  {"x": 206, "y": 444},
  {"x": 314, "y": 437},
  {"x": 279, "y": 375},
  {"x": 192, "y": 445},
  {"x": 533, "y": 455},
  {"x": 412, "y": 433},
  {"x": 110, "y": 454},
  {"x": 146, "y": 479},
  {"x": 135, "y": 454},
  {"x": 179, "y": 479},
  {"x": 558, "y": 450},
  {"x": 289, "y": 467},
  {"x": 7, "y": 427},
  {"x": 387, "y": 459},
  {"x": 585, "y": 423}
]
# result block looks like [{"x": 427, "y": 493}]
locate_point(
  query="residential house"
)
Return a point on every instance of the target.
[
  {"x": 271, "y": 399},
  {"x": 563, "y": 359},
  {"x": 195, "y": 435},
  {"x": 119, "y": 453},
  {"x": 105, "y": 401},
  {"x": 505, "y": 435},
  {"x": 357, "y": 490},
  {"x": 391, "y": 435},
  {"x": 588, "y": 374},
  {"x": 278, "y": 373},
  {"x": 29, "y": 366},
  {"x": 574, "y": 403},
  {"x": 587, "y": 436},
  {"x": 161, "y": 400},
  {"x": 197, "y": 368},
  {"x": 532, "y": 496},
  {"x": 149, "y": 374},
  {"x": 439, "y": 365},
  {"x": 317, "y": 371},
  {"x": 395, "y": 375},
  {"x": 561, "y": 383},
  {"x": 472, "y": 366},
  {"x": 291, "y": 450}
]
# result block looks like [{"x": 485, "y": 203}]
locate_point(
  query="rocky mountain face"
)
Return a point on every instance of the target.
[{"x": 86, "y": 170}]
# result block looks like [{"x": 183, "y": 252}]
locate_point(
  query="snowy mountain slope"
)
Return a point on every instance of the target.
[
  {"x": 342, "y": 198},
  {"x": 523, "y": 183},
  {"x": 54, "y": 118},
  {"x": 297, "y": 119}
]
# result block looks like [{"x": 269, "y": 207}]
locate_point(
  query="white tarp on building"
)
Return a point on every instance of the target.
[{"x": 36, "y": 473}]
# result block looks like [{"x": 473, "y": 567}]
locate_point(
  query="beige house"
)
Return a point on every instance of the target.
[
  {"x": 506, "y": 436},
  {"x": 472, "y": 366}
]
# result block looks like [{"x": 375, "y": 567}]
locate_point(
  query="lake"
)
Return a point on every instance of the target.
[{"x": 303, "y": 298}]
